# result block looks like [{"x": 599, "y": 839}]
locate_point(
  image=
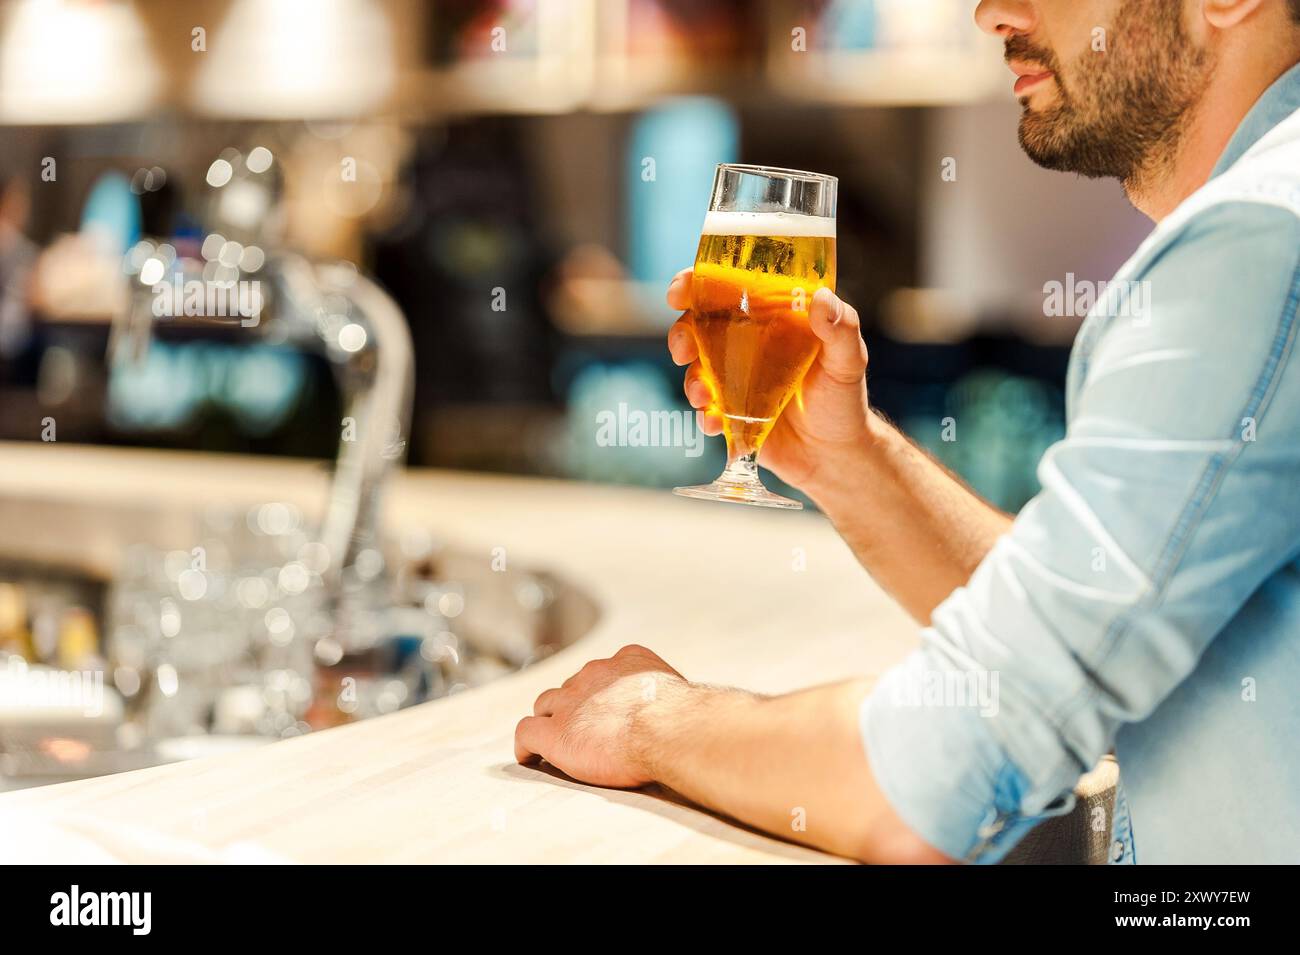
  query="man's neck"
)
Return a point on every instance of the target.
[{"x": 1182, "y": 166}]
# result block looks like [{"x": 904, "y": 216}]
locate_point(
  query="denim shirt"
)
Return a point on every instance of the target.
[{"x": 1148, "y": 599}]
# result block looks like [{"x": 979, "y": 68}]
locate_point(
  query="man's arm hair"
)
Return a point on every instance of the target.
[{"x": 916, "y": 527}]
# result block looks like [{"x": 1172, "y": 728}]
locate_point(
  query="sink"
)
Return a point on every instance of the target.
[{"x": 202, "y": 647}]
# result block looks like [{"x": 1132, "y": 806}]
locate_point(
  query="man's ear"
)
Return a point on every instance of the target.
[{"x": 1222, "y": 14}]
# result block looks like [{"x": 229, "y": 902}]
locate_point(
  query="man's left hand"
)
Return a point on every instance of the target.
[{"x": 593, "y": 727}]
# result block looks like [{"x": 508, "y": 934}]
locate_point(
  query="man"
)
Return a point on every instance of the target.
[{"x": 1148, "y": 599}]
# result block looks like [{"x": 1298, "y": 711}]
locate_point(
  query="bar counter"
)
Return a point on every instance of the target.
[{"x": 767, "y": 600}]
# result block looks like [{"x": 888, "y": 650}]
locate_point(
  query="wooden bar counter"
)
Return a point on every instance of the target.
[{"x": 768, "y": 600}]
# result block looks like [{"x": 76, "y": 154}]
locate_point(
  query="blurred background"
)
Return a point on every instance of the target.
[
  {"x": 559, "y": 151},
  {"x": 520, "y": 178}
]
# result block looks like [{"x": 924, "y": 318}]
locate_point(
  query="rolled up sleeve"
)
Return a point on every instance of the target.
[{"x": 1147, "y": 537}]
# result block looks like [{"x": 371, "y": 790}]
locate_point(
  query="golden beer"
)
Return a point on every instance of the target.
[
  {"x": 755, "y": 276},
  {"x": 767, "y": 246}
]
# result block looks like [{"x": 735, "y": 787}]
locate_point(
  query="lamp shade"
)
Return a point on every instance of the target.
[
  {"x": 297, "y": 59},
  {"x": 74, "y": 61}
]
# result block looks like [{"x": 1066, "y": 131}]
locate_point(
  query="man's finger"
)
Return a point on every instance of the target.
[
  {"x": 681, "y": 341},
  {"x": 585, "y": 671},
  {"x": 546, "y": 703},
  {"x": 697, "y": 390},
  {"x": 709, "y": 422},
  {"x": 844, "y": 354},
  {"x": 679, "y": 290},
  {"x": 533, "y": 738}
]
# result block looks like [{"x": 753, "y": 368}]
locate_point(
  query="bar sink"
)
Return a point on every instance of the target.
[{"x": 132, "y": 637}]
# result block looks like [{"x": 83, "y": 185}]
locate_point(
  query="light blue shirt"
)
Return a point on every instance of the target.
[{"x": 1148, "y": 599}]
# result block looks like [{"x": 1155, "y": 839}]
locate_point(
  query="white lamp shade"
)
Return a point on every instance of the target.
[
  {"x": 72, "y": 61},
  {"x": 297, "y": 59}
]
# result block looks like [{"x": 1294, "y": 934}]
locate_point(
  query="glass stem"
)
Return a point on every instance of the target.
[{"x": 742, "y": 469}]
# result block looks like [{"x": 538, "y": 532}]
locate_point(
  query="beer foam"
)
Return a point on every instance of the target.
[{"x": 787, "y": 224}]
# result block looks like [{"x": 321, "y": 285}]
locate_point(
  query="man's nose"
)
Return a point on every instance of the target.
[{"x": 1006, "y": 17}]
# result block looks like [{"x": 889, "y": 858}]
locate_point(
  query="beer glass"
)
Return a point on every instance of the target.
[{"x": 767, "y": 245}]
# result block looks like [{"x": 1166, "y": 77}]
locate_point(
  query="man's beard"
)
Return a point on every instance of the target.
[{"x": 1125, "y": 109}]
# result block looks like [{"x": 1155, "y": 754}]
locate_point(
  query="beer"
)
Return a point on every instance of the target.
[
  {"x": 767, "y": 246},
  {"x": 755, "y": 275}
]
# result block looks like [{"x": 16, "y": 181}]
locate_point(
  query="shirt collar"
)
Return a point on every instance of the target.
[{"x": 1278, "y": 102}]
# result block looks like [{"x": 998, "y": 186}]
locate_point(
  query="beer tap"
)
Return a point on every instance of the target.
[
  {"x": 328, "y": 308},
  {"x": 370, "y": 346}
]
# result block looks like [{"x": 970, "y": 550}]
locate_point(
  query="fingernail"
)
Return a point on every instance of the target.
[
  {"x": 824, "y": 292},
  {"x": 839, "y": 313}
]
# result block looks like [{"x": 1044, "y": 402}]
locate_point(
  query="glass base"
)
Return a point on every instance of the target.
[{"x": 753, "y": 494}]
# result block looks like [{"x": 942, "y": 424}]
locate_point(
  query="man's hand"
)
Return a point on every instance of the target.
[
  {"x": 832, "y": 424},
  {"x": 917, "y": 528},
  {"x": 791, "y": 765},
  {"x": 590, "y": 727}
]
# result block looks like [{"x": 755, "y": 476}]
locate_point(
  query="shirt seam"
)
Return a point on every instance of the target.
[
  {"x": 1199, "y": 502},
  {"x": 1142, "y": 263}
]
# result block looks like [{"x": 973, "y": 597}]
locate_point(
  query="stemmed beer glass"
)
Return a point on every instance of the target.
[{"x": 767, "y": 246}]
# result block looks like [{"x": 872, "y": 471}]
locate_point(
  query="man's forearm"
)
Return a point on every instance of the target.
[
  {"x": 917, "y": 529},
  {"x": 790, "y": 765}
]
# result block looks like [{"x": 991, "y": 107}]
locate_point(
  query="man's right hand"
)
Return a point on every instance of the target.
[{"x": 833, "y": 420}]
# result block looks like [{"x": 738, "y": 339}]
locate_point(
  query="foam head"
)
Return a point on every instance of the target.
[{"x": 787, "y": 224}]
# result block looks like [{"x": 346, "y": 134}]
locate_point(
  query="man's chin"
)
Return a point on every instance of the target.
[
  {"x": 1040, "y": 144},
  {"x": 1046, "y": 143}
]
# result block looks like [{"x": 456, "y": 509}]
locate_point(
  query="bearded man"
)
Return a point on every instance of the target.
[{"x": 1146, "y": 601}]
